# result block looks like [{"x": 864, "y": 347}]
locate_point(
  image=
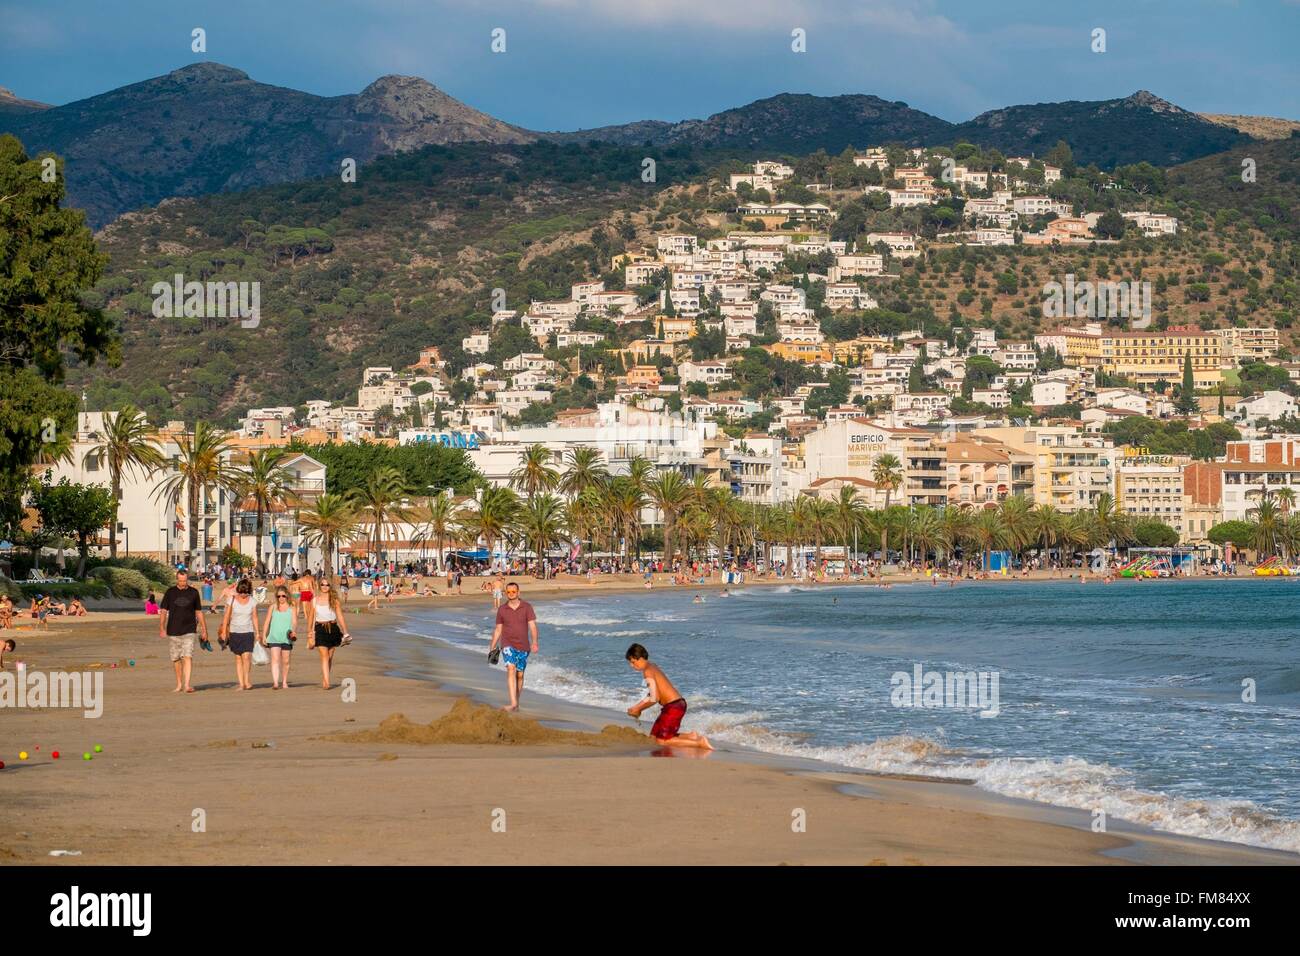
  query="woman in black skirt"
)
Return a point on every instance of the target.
[{"x": 325, "y": 626}]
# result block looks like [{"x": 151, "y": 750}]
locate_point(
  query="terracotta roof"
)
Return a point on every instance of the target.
[{"x": 861, "y": 482}]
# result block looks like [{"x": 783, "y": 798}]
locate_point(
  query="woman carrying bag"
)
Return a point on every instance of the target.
[
  {"x": 327, "y": 629},
  {"x": 279, "y": 632},
  {"x": 239, "y": 630}
]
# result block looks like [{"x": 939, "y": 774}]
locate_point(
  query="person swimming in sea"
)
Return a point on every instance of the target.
[{"x": 698, "y": 600}]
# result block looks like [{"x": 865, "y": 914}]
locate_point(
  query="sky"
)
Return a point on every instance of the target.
[{"x": 573, "y": 64}]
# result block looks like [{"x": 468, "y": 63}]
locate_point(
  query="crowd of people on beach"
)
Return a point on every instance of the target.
[{"x": 43, "y": 607}]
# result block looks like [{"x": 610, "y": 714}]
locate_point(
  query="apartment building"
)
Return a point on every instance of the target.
[
  {"x": 980, "y": 473},
  {"x": 1249, "y": 344},
  {"x": 1070, "y": 468},
  {"x": 849, "y": 449},
  {"x": 1150, "y": 357},
  {"x": 1150, "y": 487}
]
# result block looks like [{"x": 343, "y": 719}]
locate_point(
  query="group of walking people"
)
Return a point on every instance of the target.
[{"x": 245, "y": 625}]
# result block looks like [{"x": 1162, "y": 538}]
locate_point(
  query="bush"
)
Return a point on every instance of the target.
[
  {"x": 123, "y": 582},
  {"x": 65, "y": 592},
  {"x": 151, "y": 569},
  {"x": 10, "y": 588}
]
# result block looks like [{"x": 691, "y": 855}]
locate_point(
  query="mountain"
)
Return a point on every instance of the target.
[
  {"x": 1138, "y": 128},
  {"x": 11, "y": 105},
  {"x": 208, "y": 128},
  {"x": 789, "y": 122},
  {"x": 1260, "y": 127}
]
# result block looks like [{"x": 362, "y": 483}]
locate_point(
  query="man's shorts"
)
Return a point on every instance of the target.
[
  {"x": 182, "y": 645},
  {"x": 514, "y": 657},
  {"x": 669, "y": 721}
]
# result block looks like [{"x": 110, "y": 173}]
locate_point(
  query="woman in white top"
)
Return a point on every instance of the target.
[
  {"x": 239, "y": 629},
  {"x": 326, "y": 629}
]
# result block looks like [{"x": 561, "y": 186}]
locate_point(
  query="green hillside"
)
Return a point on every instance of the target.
[{"x": 359, "y": 274}]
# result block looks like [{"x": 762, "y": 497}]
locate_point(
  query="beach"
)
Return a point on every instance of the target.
[{"x": 305, "y": 776}]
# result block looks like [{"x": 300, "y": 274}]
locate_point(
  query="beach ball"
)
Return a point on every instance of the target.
[
  {"x": 98, "y": 749},
  {"x": 55, "y": 755},
  {"x": 85, "y": 756},
  {"x": 22, "y": 755}
]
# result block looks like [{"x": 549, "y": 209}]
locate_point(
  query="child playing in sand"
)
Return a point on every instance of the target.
[
  {"x": 6, "y": 647},
  {"x": 672, "y": 706}
]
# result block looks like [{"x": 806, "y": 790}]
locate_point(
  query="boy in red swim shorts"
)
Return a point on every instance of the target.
[{"x": 672, "y": 706}]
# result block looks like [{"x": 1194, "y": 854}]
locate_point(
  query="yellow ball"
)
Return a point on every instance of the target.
[
  {"x": 22, "y": 755},
  {"x": 98, "y": 749}
]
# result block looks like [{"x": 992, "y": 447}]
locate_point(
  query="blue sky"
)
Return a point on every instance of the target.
[{"x": 579, "y": 63}]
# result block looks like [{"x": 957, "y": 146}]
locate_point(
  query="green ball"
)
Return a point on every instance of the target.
[
  {"x": 85, "y": 756},
  {"x": 98, "y": 749}
]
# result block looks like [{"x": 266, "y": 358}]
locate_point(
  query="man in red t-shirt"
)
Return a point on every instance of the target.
[{"x": 516, "y": 632}]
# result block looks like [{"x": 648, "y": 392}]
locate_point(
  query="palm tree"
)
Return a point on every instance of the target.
[
  {"x": 590, "y": 513},
  {"x": 127, "y": 446},
  {"x": 268, "y": 485},
  {"x": 848, "y": 515},
  {"x": 331, "y": 521},
  {"x": 200, "y": 465},
  {"x": 1047, "y": 526},
  {"x": 585, "y": 468},
  {"x": 1286, "y": 500},
  {"x": 887, "y": 473},
  {"x": 799, "y": 521},
  {"x": 822, "y": 522},
  {"x": 439, "y": 522},
  {"x": 1265, "y": 516},
  {"x": 534, "y": 473},
  {"x": 380, "y": 501},
  {"x": 1115, "y": 525},
  {"x": 496, "y": 512},
  {"x": 987, "y": 532},
  {"x": 626, "y": 501},
  {"x": 954, "y": 522},
  {"x": 1017, "y": 514},
  {"x": 670, "y": 493},
  {"x": 1079, "y": 530},
  {"x": 541, "y": 522},
  {"x": 927, "y": 531},
  {"x": 1288, "y": 536}
]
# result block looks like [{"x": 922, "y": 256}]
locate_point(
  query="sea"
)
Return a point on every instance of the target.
[{"x": 1170, "y": 704}]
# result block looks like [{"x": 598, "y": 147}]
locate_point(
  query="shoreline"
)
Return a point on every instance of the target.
[
  {"x": 272, "y": 788},
  {"x": 1142, "y": 843}
]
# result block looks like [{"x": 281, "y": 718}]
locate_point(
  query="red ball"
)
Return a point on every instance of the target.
[
  {"x": 55, "y": 755},
  {"x": 2, "y": 764}
]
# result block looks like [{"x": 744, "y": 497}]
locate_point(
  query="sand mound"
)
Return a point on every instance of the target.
[{"x": 470, "y": 723}]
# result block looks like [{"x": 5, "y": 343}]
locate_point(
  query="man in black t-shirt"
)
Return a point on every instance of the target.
[{"x": 180, "y": 620}]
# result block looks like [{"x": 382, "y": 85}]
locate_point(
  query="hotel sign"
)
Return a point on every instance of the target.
[
  {"x": 863, "y": 446},
  {"x": 466, "y": 440}
]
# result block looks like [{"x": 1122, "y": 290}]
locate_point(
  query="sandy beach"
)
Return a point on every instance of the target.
[{"x": 305, "y": 776}]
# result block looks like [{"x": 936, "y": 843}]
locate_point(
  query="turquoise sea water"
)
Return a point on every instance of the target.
[{"x": 1126, "y": 698}]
